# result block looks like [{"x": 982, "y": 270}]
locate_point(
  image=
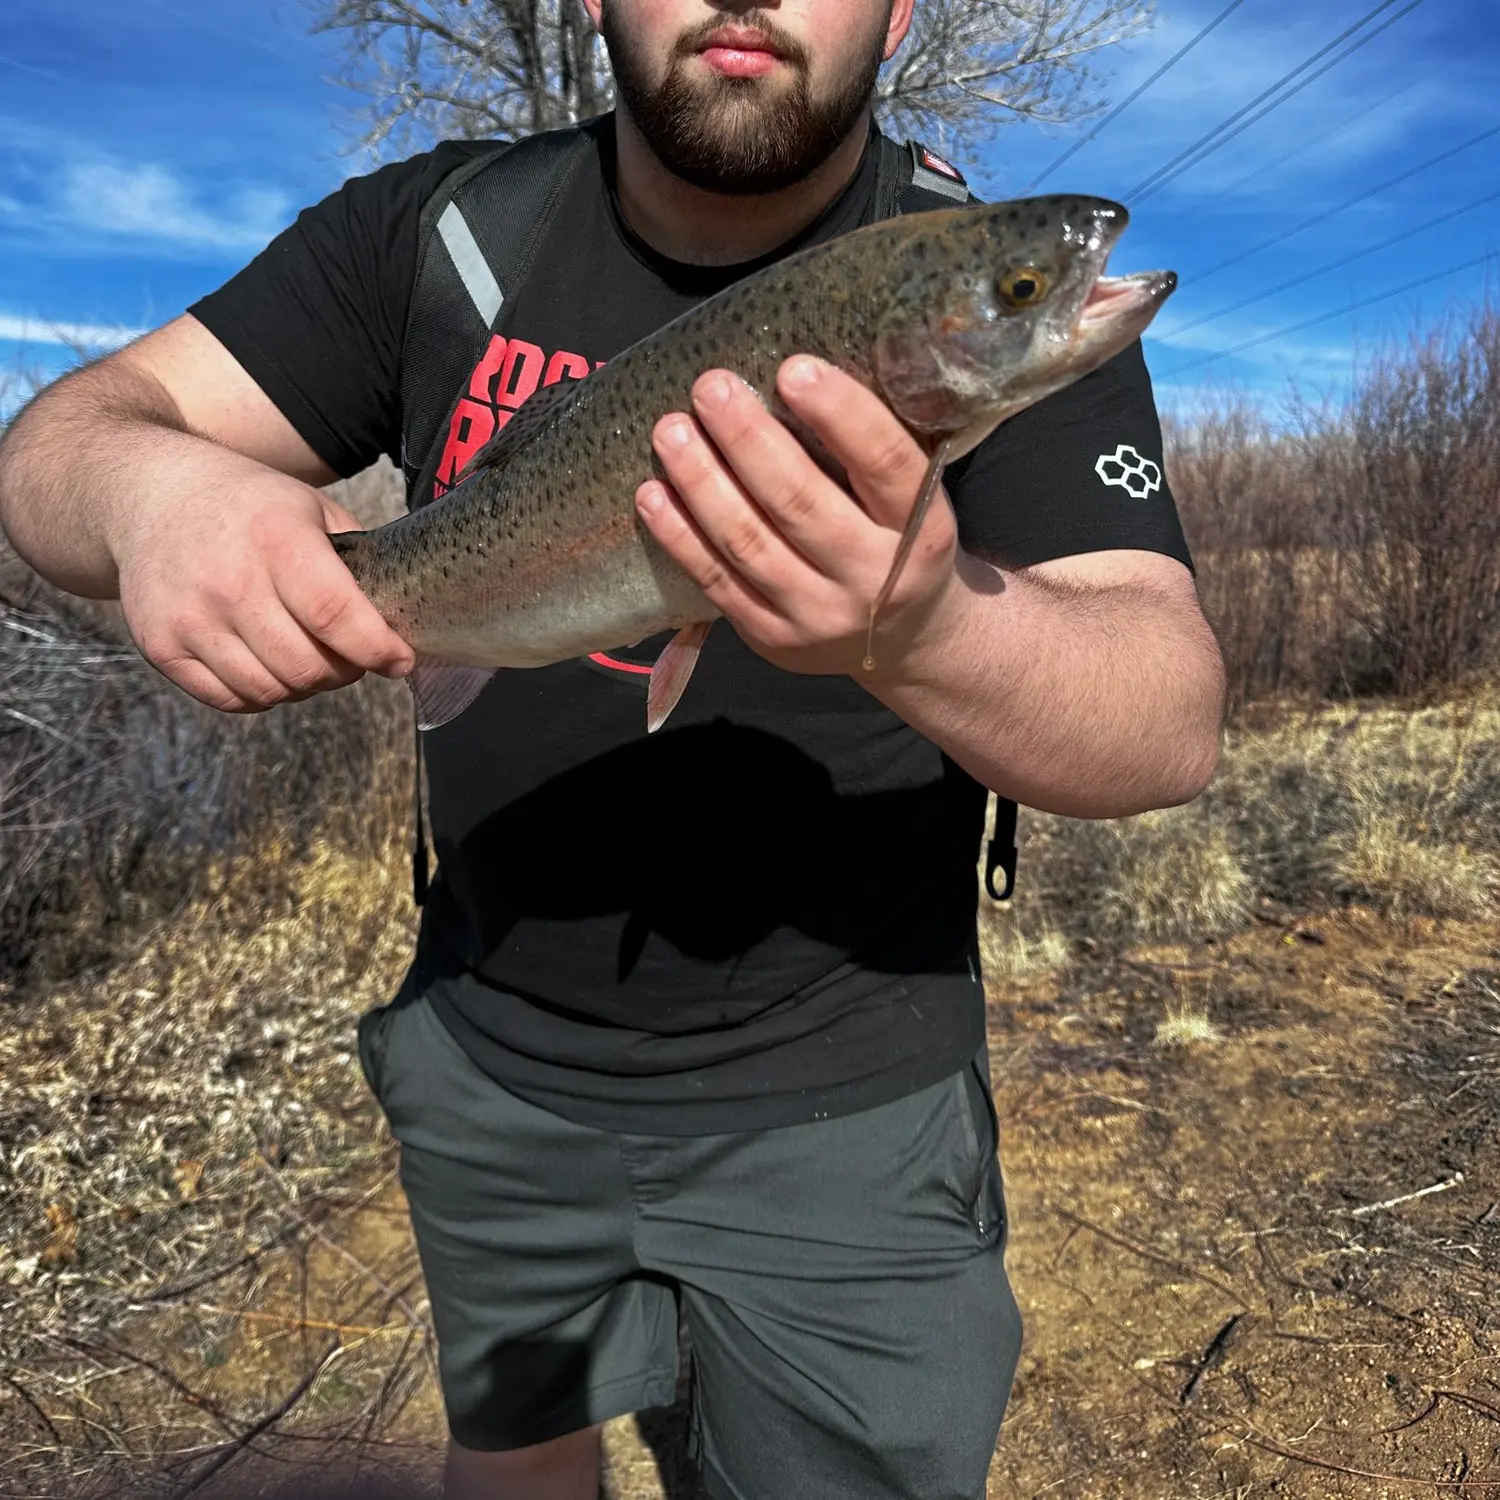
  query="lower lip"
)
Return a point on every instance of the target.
[{"x": 737, "y": 62}]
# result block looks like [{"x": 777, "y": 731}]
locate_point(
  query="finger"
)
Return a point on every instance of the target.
[
  {"x": 222, "y": 661},
  {"x": 734, "y": 527},
  {"x": 819, "y": 519},
  {"x": 674, "y": 527},
  {"x": 296, "y": 659},
  {"x": 320, "y": 594},
  {"x": 884, "y": 462}
]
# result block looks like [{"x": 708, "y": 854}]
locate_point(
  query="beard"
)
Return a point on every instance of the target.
[{"x": 738, "y": 136}]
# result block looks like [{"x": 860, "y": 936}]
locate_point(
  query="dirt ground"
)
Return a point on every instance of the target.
[{"x": 1222, "y": 1297}]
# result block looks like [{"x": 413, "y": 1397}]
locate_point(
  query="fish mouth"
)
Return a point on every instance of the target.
[{"x": 1122, "y": 303}]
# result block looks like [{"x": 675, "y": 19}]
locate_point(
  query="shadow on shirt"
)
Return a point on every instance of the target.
[{"x": 725, "y": 846}]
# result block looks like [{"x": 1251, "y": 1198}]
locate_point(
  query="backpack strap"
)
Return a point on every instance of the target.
[{"x": 477, "y": 235}]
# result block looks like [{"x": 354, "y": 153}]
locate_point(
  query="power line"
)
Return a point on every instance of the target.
[
  {"x": 1224, "y": 125},
  {"x": 1276, "y": 104},
  {"x": 1332, "y": 265},
  {"x": 1309, "y": 142},
  {"x": 1359, "y": 198},
  {"x": 1120, "y": 108},
  {"x": 1338, "y": 312}
]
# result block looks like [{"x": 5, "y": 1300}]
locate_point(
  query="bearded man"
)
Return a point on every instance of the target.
[{"x": 695, "y": 1028}]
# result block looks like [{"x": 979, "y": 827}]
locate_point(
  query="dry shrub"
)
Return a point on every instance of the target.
[
  {"x": 1185, "y": 1025},
  {"x": 1018, "y": 941},
  {"x": 1395, "y": 808},
  {"x": 117, "y": 790},
  {"x": 1354, "y": 550}
]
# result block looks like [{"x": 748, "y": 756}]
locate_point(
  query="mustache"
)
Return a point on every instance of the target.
[{"x": 786, "y": 46}]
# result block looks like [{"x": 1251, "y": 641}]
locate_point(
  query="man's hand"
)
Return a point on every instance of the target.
[
  {"x": 791, "y": 559},
  {"x": 240, "y": 599}
]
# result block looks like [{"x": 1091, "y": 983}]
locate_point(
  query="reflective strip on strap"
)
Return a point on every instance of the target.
[
  {"x": 468, "y": 260},
  {"x": 935, "y": 182}
]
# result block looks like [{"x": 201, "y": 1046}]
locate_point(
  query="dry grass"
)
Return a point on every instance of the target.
[
  {"x": 1394, "y": 809},
  {"x": 1185, "y": 1025}
]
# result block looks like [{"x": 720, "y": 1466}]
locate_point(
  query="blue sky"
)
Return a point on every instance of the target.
[{"x": 148, "y": 150}]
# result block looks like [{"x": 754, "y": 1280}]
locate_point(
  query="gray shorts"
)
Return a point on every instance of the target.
[{"x": 843, "y": 1282}]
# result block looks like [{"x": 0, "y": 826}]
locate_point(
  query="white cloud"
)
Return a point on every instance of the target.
[
  {"x": 20, "y": 329},
  {"x": 151, "y": 202}
]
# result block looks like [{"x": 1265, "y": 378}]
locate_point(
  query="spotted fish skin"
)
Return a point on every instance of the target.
[{"x": 537, "y": 554}]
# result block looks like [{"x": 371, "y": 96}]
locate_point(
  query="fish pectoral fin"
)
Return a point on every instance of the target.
[
  {"x": 443, "y": 691},
  {"x": 908, "y": 540},
  {"x": 670, "y": 674}
]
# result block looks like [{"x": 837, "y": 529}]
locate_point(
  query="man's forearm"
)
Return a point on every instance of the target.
[
  {"x": 71, "y": 463},
  {"x": 1093, "y": 703}
]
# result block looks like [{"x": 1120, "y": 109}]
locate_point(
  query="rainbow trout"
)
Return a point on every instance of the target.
[{"x": 957, "y": 319}]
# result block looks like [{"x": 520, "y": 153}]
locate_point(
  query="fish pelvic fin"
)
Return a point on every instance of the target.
[
  {"x": 443, "y": 691},
  {"x": 914, "y": 521},
  {"x": 670, "y": 674}
]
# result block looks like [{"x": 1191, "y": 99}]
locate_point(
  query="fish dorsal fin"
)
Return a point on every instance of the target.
[{"x": 537, "y": 414}]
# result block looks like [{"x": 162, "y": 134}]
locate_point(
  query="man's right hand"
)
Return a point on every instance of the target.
[
  {"x": 243, "y": 603},
  {"x": 163, "y": 475}
]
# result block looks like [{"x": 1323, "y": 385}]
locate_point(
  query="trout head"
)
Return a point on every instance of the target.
[{"x": 999, "y": 305}]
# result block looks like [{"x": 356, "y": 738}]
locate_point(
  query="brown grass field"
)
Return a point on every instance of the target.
[{"x": 1246, "y": 1053}]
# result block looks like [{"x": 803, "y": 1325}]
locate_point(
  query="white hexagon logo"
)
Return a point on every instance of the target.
[{"x": 1137, "y": 476}]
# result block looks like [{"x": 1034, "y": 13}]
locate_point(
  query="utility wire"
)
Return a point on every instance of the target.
[
  {"x": 1275, "y": 104},
  {"x": 1332, "y": 265},
  {"x": 1309, "y": 142},
  {"x": 1125, "y": 104},
  {"x": 1359, "y": 198},
  {"x": 1259, "y": 99},
  {"x": 1338, "y": 312}
]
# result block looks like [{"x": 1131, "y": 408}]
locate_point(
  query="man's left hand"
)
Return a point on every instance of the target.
[{"x": 793, "y": 560}]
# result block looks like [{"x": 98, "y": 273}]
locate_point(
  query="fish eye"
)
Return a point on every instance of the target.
[{"x": 1024, "y": 286}]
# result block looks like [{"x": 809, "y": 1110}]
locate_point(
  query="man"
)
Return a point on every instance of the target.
[{"x": 696, "y": 1026}]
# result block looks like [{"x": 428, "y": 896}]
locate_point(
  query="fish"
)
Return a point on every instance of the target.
[{"x": 957, "y": 318}]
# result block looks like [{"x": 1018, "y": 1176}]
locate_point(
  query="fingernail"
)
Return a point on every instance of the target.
[
  {"x": 713, "y": 392},
  {"x": 675, "y": 434},
  {"x": 648, "y": 500},
  {"x": 801, "y": 374}
]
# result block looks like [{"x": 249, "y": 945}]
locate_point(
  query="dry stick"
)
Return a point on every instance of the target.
[
  {"x": 183, "y": 1389},
  {"x": 231, "y": 1451},
  {"x": 171, "y": 1293},
  {"x": 30, "y": 1400},
  {"x": 1437, "y": 1187},
  {"x": 290, "y": 1322},
  {"x": 1155, "y": 1255},
  {"x": 1484, "y": 1408},
  {"x": 368, "y": 1271},
  {"x": 1323, "y": 1463},
  {"x": 1212, "y": 1358}
]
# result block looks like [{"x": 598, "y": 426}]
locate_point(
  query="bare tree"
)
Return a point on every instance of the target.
[{"x": 437, "y": 69}]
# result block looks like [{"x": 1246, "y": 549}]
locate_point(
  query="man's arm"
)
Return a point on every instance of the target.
[
  {"x": 164, "y": 476},
  {"x": 1090, "y": 686}
]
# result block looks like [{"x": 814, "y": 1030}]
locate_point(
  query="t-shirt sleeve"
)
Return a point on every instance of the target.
[
  {"x": 316, "y": 319},
  {"x": 1081, "y": 471}
]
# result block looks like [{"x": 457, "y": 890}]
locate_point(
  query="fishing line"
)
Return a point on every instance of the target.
[
  {"x": 1120, "y": 108},
  {"x": 1338, "y": 312},
  {"x": 1332, "y": 265},
  {"x": 1158, "y": 177}
]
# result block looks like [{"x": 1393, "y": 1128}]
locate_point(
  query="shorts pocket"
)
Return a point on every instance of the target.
[{"x": 986, "y": 1199}]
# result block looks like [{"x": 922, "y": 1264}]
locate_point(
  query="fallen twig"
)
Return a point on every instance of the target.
[
  {"x": 230, "y": 1451},
  {"x": 1437, "y": 1187},
  {"x": 1148, "y": 1254},
  {"x": 1212, "y": 1357}
]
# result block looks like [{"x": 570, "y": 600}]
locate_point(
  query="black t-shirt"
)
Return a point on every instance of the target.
[{"x": 764, "y": 913}]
